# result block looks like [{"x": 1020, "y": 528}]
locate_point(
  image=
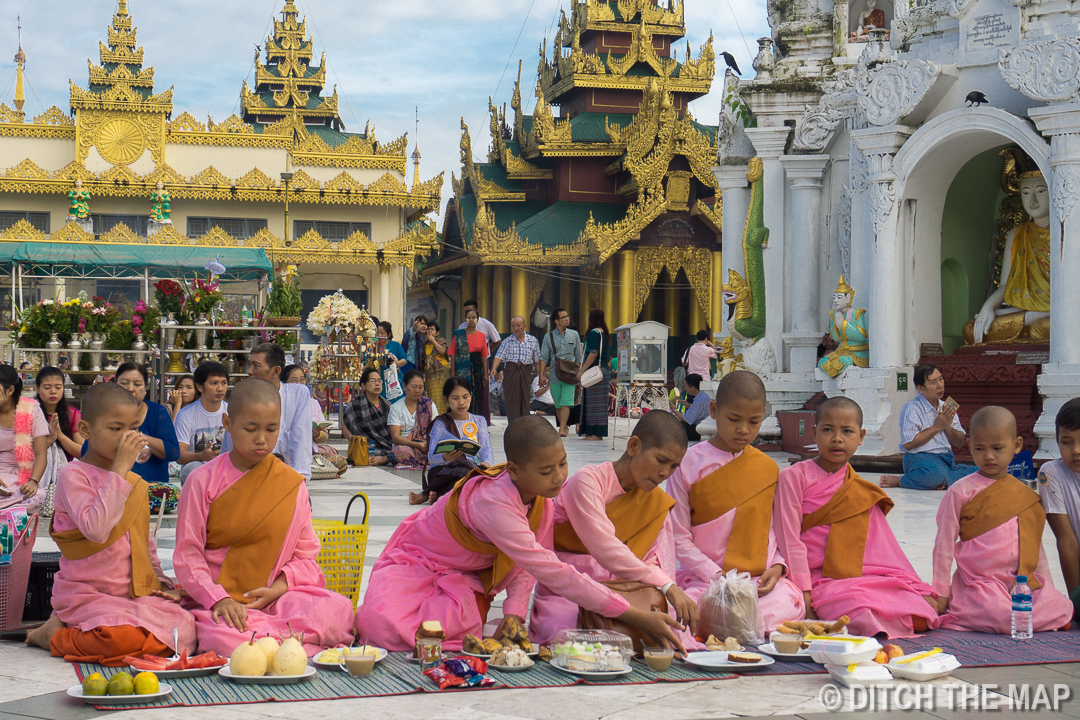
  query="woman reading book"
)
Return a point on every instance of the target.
[{"x": 446, "y": 468}]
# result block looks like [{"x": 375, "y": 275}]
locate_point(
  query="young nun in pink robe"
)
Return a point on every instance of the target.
[
  {"x": 992, "y": 524},
  {"x": 701, "y": 549},
  {"x": 493, "y": 532},
  {"x": 824, "y": 512},
  {"x": 293, "y": 594},
  {"x": 609, "y": 514}
]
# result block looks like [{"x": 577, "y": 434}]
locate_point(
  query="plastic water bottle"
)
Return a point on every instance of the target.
[
  {"x": 1021, "y": 609},
  {"x": 245, "y": 316}
]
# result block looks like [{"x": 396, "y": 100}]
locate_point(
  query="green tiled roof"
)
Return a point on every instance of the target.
[
  {"x": 708, "y": 130},
  {"x": 496, "y": 173},
  {"x": 589, "y": 126},
  {"x": 562, "y": 222}
]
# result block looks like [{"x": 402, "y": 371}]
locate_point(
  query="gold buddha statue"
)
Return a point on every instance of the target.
[{"x": 1019, "y": 310}]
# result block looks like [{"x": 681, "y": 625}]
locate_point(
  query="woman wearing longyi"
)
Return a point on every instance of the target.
[{"x": 447, "y": 562}]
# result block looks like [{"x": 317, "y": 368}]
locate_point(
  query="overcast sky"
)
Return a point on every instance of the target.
[{"x": 444, "y": 57}]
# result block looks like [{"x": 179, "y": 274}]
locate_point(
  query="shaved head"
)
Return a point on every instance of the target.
[
  {"x": 103, "y": 399},
  {"x": 659, "y": 429},
  {"x": 838, "y": 403},
  {"x": 527, "y": 436},
  {"x": 251, "y": 392},
  {"x": 742, "y": 385},
  {"x": 993, "y": 419}
]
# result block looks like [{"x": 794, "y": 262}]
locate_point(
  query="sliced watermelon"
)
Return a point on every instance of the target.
[{"x": 181, "y": 664}]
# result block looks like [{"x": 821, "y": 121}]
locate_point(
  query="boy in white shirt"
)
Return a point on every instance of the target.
[
  {"x": 1059, "y": 488},
  {"x": 199, "y": 429}
]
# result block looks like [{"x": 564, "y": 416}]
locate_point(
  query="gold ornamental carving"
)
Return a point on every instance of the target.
[
  {"x": 696, "y": 262},
  {"x": 120, "y": 142}
]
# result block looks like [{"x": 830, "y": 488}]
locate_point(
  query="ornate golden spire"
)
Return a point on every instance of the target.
[{"x": 20, "y": 60}]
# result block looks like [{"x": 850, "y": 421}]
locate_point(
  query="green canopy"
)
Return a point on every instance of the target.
[{"x": 96, "y": 260}]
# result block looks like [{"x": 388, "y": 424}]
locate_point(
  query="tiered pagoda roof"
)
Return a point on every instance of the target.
[
  {"x": 119, "y": 81},
  {"x": 287, "y": 85},
  {"x": 623, "y": 138}
]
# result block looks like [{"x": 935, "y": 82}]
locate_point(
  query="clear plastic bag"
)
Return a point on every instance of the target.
[{"x": 730, "y": 609}]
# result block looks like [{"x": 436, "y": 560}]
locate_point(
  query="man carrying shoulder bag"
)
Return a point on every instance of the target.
[{"x": 561, "y": 357}]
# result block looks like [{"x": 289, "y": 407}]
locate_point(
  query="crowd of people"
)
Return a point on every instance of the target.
[{"x": 813, "y": 537}]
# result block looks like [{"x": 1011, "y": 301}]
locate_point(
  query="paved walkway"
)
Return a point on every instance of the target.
[{"x": 32, "y": 684}]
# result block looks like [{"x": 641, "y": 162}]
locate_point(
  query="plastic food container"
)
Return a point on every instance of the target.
[
  {"x": 592, "y": 650},
  {"x": 842, "y": 649},
  {"x": 923, "y": 666},
  {"x": 860, "y": 673}
]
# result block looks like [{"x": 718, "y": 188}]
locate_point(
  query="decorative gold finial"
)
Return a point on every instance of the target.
[
  {"x": 122, "y": 9},
  {"x": 843, "y": 287},
  {"x": 20, "y": 60}
]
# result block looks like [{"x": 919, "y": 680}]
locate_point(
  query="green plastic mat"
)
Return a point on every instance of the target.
[{"x": 395, "y": 675}]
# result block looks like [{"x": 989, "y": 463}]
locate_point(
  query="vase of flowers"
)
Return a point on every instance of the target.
[
  {"x": 74, "y": 351},
  {"x": 284, "y": 305},
  {"x": 202, "y": 296},
  {"x": 169, "y": 297},
  {"x": 96, "y": 346},
  {"x": 200, "y": 332}
]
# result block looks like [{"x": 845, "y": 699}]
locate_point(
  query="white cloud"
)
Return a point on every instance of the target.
[{"x": 387, "y": 58}]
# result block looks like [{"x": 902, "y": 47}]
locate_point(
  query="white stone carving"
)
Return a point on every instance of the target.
[
  {"x": 839, "y": 102},
  {"x": 892, "y": 90},
  {"x": 1065, "y": 190},
  {"x": 1046, "y": 71},
  {"x": 860, "y": 168},
  {"x": 881, "y": 190},
  {"x": 956, "y": 8},
  {"x": 759, "y": 357}
]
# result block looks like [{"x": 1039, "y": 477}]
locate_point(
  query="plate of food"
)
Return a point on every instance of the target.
[
  {"x": 516, "y": 637},
  {"x": 204, "y": 664},
  {"x": 799, "y": 655},
  {"x": 331, "y": 658},
  {"x": 226, "y": 673},
  {"x": 724, "y": 660},
  {"x": 813, "y": 627},
  {"x": 727, "y": 644},
  {"x": 510, "y": 659},
  {"x": 594, "y": 673},
  {"x": 76, "y": 691}
]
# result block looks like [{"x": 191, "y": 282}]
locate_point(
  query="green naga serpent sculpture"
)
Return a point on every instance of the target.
[{"x": 746, "y": 321}]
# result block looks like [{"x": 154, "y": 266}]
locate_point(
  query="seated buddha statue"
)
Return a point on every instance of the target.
[
  {"x": 847, "y": 326},
  {"x": 870, "y": 18},
  {"x": 1019, "y": 309}
]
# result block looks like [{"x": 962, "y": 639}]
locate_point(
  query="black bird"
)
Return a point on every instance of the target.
[
  {"x": 730, "y": 60},
  {"x": 975, "y": 98}
]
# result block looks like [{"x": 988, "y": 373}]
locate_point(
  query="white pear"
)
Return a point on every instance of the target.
[
  {"x": 248, "y": 659},
  {"x": 269, "y": 646},
  {"x": 290, "y": 658}
]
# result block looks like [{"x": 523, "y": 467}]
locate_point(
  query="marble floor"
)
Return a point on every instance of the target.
[{"x": 32, "y": 684}]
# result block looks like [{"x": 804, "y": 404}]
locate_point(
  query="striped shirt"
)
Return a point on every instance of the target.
[
  {"x": 918, "y": 415},
  {"x": 526, "y": 353}
]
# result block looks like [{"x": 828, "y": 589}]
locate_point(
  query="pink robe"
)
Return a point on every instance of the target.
[
  {"x": 582, "y": 502},
  {"x": 700, "y": 549},
  {"x": 981, "y": 589},
  {"x": 889, "y": 591},
  {"x": 424, "y": 574},
  {"x": 96, "y": 591},
  {"x": 325, "y": 617}
]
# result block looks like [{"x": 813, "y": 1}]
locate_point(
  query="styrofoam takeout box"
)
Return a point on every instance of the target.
[
  {"x": 923, "y": 669},
  {"x": 860, "y": 673},
  {"x": 843, "y": 649}
]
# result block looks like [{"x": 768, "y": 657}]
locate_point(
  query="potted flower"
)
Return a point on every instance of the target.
[
  {"x": 202, "y": 296},
  {"x": 284, "y": 305}
]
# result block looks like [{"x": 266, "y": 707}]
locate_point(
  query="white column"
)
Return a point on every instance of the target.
[
  {"x": 735, "y": 193},
  {"x": 804, "y": 174},
  {"x": 1060, "y": 378},
  {"x": 384, "y": 294},
  {"x": 769, "y": 143},
  {"x": 887, "y": 302}
]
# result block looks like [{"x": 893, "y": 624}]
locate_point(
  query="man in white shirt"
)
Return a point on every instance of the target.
[
  {"x": 929, "y": 430},
  {"x": 483, "y": 325},
  {"x": 266, "y": 362},
  {"x": 199, "y": 429}
]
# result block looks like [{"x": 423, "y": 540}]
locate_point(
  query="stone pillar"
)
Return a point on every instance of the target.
[
  {"x": 627, "y": 271},
  {"x": 698, "y": 318},
  {"x": 500, "y": 313},
  {"x": 735, "y": 192},
  {"x": 608, "y": 294},
  {"x": 804, "y": 175},
  {"x": 887, "y": 301},
  {"x": 484, "y": 295},
  {"x": 1061, "y": 377},
  {"x": 769, "y": 143},
  {"x": 384, "y": 295},
  {"x": 519, "y": 294},
  {"x": 671, "y": 308},
  {"x": 718, "y": 307}
]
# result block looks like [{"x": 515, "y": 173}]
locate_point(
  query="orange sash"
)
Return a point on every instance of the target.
[
  {"x": 252, "y": 519},
  {"x": 136, "y": 521},
  {"x": 638, "y": 518},
  {"x": 502, "y": 564},
  {"x": 106, "y": 645},
  {"x": 747, "y": 484},
  {"x": 1002, "y": 501},
  {"x": 848, "y": 514}
]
